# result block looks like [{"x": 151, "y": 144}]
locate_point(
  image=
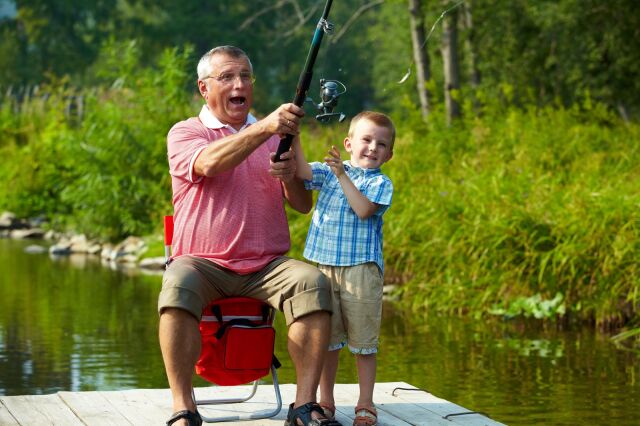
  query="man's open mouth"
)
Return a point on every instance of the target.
[{"x": 238, "y": 100}]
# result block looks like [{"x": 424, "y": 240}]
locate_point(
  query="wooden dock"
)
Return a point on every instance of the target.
[{"x": 398, "y": 404}]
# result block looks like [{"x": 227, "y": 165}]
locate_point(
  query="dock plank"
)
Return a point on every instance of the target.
[
  {"x": 440, "y": 406},
  {"x": 136, "y": 407},
  {"x": 346, "y": 397},
  {"x": 401, "y": 414},
  {"x": 6, "y": 419},
  {"x": 93, "y": 408},
  {"x": 264, "y": 400},
  {"x": 40, "y": 410}
]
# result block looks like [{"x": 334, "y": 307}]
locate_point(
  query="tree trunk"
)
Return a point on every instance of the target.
[
  {"x": 474, "y": 73},
  {"x": 451, "y": 65},
  {"x": 420, "y": 55}
]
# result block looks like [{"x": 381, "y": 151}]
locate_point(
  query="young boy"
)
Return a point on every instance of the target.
[{"x": 345, "y": 238}]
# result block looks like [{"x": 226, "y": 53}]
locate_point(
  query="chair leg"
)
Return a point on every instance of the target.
[
  {"x": 263, "y": 414},
  {"x": 216, "y": 401}
]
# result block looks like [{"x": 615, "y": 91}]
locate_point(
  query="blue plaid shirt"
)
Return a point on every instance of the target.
[{"x": 337, "y": 236}]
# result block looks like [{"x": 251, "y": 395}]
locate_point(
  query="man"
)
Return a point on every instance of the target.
[{"x": 231, "y": 232}]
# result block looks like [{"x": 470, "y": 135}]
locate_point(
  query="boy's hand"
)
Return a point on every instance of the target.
[{"x": 334, "y": 161}]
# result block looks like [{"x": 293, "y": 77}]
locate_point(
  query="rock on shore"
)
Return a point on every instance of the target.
[{"x": 129, "y": 251}]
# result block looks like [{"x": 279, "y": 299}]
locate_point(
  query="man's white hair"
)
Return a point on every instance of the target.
[{"x": 204, "y": 65}]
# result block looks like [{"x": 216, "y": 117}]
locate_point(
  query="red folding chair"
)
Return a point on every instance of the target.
[{"x": 237, "y": 346}]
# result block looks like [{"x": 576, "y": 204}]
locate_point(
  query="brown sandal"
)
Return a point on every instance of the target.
[{"x": 366, "y": 416}]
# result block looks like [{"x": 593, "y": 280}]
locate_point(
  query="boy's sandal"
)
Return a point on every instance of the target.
[
  {"x": 366, "y": 416},
  {"x": 193, "y": 419},
  {"x": 303, "y": 413},
  {"x": 329, "y": 410}
]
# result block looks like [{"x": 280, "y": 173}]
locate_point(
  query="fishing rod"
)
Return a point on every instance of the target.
[{"x": 330, "y": 89}]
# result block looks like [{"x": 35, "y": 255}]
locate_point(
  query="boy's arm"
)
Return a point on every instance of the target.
[
  {"x": 360, "y": 204},
  {"x": 303, "y": 169}
]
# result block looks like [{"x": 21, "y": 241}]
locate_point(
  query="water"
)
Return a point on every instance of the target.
[{"x": 72, "y": 324}]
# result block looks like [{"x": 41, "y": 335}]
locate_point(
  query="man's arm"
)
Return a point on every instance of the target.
[{"x": 230, "y": 151}]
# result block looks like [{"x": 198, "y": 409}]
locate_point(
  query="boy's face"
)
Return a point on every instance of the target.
[{"x": 369, "y": 145}]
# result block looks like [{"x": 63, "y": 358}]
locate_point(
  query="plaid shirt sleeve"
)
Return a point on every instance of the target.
[
  {"x": 319, "y": 175},
  {"x": 379, "y": 191}
]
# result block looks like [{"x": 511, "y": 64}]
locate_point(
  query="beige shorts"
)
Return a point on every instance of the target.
[
  {"x": 357, "y": 306},
  {"x": 291, "y": 286}
]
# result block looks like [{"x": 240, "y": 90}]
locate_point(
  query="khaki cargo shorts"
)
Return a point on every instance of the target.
[
  {"x": 291, "y": 286},
  {"x": 357, "y": 306}
]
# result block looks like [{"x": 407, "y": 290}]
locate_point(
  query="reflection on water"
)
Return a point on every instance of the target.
[{"x": 72, "y": 324}]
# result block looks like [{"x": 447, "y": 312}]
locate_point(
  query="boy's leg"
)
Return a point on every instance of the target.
[
  {"x": 361, "y": 304},
  {"x": 328, "y": 379},
  {"x": 366, "y": 378}
]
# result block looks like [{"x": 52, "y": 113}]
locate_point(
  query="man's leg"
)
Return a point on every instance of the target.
[
  {"x": 307, "y": 345},
  {"x": 180, "y": 345},
  {"x": 303, "y": 294}
]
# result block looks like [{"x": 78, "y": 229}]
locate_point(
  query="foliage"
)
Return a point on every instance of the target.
[
  {"x": 533, "y": 306},
  {"x": 547, "y": 51},
  {"x": 102, "y": 169}
]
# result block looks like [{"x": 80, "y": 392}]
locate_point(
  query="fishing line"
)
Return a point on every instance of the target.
[{"x": 442, "y": 15}]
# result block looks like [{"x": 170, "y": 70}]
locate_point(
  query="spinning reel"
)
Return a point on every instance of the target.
[{"x": 330, "y": 91}]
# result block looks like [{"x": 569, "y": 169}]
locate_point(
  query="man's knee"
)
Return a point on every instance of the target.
[
  {"x": 182, "y": 288},
  {"x": 313, "y": 295},
  {"x": 309, "y": 277}
]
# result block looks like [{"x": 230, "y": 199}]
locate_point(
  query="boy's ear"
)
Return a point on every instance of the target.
[{"x": 347, "y": 144}]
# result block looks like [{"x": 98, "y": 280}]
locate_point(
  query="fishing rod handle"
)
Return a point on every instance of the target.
[
  {"x": 301, "y": 95},
  {"x": 284, "y": 146}
]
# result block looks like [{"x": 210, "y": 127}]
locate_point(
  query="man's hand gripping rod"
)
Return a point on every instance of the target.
[{"x": 305, "y": 77}]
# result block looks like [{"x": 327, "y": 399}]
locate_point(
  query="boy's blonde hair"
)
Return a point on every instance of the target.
[{"x": 377, "y": 118}]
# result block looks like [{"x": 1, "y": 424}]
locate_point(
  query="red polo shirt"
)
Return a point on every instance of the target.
[{"x": 236, "y": 218}]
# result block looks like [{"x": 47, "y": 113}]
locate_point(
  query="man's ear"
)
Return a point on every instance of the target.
[{"x": 202, "y": 88}]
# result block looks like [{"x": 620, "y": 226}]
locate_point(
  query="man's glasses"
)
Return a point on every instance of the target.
[{"x": 229, "y": 77}]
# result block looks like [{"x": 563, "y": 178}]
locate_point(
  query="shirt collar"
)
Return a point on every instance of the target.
[
  {"x": 212, "y": 122},
  {"x": 359, "y": 170}
]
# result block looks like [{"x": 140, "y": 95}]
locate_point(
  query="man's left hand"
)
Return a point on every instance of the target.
[{"x": 285, "y": 170}]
